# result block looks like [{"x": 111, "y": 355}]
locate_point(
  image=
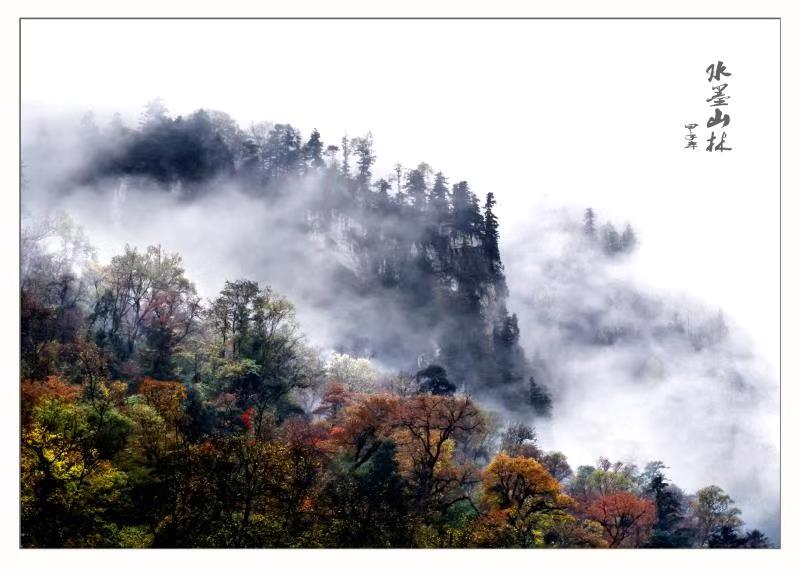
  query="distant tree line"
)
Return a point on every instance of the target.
[{"x": 607, "y": 237}]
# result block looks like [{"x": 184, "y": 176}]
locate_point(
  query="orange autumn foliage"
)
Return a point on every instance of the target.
[
  {"x": 34, "y": 391},
  {"x": 336, "y": 398},
  {"x": 364, "y": 425},
  {"x": 626, "y": 519},
  {"x": 165, "y": 397},
  {"x": 426, "y": 428}
]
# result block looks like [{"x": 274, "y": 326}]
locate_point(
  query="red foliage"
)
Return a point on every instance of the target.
[
  {"x": 300, "y": 434},
  {"x": 626, "y": 519},
  {"x": 363, "y": 425},
  {"x": 336, "y": 398},
  {"x": 247, "y": 419},
  {"x": 336, "y": 432}
]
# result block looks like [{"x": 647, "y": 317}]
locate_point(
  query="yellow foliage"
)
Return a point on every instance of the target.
[{"x": 526, "y": 503}]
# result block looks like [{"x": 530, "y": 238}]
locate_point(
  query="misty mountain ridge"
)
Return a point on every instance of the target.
[
  {"x": 411, "y": 260},
  {"x": 407, "y": 270}
]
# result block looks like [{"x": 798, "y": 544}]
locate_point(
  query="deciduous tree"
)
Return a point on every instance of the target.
[{"x": 626, "y": 519}]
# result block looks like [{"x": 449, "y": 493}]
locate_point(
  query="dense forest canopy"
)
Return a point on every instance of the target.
[{"x": 154, "y": 417}]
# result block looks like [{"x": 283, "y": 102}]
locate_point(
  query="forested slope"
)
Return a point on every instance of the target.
[{"x": 154, "y": 417}]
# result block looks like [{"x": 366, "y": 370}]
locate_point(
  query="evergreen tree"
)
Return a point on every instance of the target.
[
  {"x": 467, "y": 219},
  {"x": 363, "y": 148},
  {"x": 282, "y": 152},
  {"x": 611, "y": 239},
  {"x": 312, "y": 151},
  {"x": 416, "y": 187},
  {"x": 540, "y": 398},
  {"x": 383, "y": 187},
  {"x": 508, "y": 354},
  {"x": 345, "y": 157},
  {"x": 438, "y": 198},
  {"x": 628, "y": 239},
  {"x": 251, "y": 160},
  {"x": 398, "y": 177},
  {"x": 433, "y": 380},
  {"x": 589, "y": 222},
  {"x": 490, "y": 236},
  {"x": 756, "y": 539},
  {"x": 729, "y": 537},
  {"x": 668, "y": 531},
  {"x": 291, "y": 151}
]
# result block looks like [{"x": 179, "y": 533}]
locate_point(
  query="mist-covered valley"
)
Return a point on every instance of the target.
[
  {"x": 548, "y": 329},
  {"x": 648, "y": 374}
]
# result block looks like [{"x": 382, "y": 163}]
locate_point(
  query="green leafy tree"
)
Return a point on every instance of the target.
[{"x": 711, "y": 510}]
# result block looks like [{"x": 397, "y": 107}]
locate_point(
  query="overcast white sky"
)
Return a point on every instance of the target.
[{"x": 589, "y": 113}]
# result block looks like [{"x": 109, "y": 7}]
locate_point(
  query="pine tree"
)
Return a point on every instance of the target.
[
  {"x": 416, "y": 186},
  {"x": 346, "y": 156},
  {"x": 490, "y": 236},
  {"x": 366, "y": 158},
  {"x": 398, "y": 177},
  {"x": 433, "y": 379},
  {"x": 290, "y": 151},
  {"x": 438, "y": 198},
  {"x": 467, "y": 219},
  {"x": 382, "y": 198},
  {"x": 611, "y": 239},
  {"x": 251, "y": 159},
  {"x": 589, "y": 222},
  {"x": 312, "y": 151},
  {"x": 539, "y": 398},
  {"x": 628, "y": 239},
  {"x": 282, "y": 152}
]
